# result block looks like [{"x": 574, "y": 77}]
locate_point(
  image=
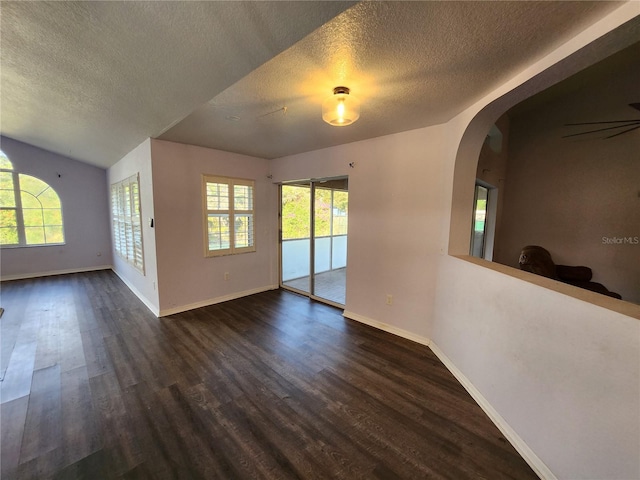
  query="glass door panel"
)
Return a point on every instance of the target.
[
  {"x": 296, "y": 233},
  {"x": 330, "y": 206}
]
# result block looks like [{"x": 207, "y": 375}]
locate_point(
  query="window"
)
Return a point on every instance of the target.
[
  {"x": 127, "y": 226},
  {"x": 479, "y": 221},
  {"x": 228, "y": 215},
  {"x": 30, "y": 210},
  {"x": 483, "y": 228}
]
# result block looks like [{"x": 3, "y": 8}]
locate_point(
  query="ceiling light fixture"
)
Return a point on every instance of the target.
[{"x": 340, "y": 109}]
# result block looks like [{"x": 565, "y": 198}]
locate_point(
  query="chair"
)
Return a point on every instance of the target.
[{"x": 536, "y": 259}]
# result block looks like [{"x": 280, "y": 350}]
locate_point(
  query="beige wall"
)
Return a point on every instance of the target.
[
  {"x": 85, "y": 209},
  {"x": 562, "y": 373},
  {"x": 395, "y": 218},
  {"x": 568, "y": 194},
  {"x": 186, "y": 279},
  {"x": 143, "y": 284}
]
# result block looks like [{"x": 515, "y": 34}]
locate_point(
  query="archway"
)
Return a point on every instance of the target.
[{"x": 475, "y": 132}]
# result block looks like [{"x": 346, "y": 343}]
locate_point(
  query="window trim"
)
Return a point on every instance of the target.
[
  {"x": 127, "y": 217},
  {"x": 231, "y": 212}
]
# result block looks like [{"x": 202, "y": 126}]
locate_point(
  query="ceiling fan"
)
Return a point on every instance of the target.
[{"x": 629, "y": 125}]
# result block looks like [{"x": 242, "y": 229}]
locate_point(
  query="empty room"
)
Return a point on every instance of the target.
[{"x": 320, "y": 239}]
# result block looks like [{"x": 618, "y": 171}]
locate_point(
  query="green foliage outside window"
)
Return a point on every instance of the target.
[
  {"x": 330, "y": 206},
  {"x": 30, "y": 210},
  {"x": 296, "y": 203}
]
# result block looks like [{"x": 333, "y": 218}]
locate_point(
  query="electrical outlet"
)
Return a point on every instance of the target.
[
  {"x": 226, "y": 276},
  {"x": 389, "y": 299}
]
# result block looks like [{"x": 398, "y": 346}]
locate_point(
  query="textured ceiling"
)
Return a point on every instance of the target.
[
  {"x": 91, "y": 80},
  {"x": 412, "y": 64}
]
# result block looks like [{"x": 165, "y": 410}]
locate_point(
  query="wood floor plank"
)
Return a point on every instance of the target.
[
  {"x": 48, "y": 340},
  {"x": 23, "y": 322},
  {"x": 95, "y": 352},
  {"x": 13, "y": 416},
  {"x": 123, "y": 362},
  {"x": 225, "y": 437},
  {"x": 81, "y": 433},
  {"x": 15, "y": 300},
  {"x": 270, "y": 386},
  {"x": 71, "y": 346},
  {"x": 158, "y": 439},
  {"x": 121, "y": 447},
  {"x": 43, "y": 432},
  {"x": 41, "y": 466},
  {"x": 17, "y": 379},
  {"x": 202, "y": 451},
  {"x": 324, "y": 453},
  {"x": 91, "y": 466}
]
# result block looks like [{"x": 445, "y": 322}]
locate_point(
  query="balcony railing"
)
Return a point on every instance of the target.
[{"x": 330, "y": 254}]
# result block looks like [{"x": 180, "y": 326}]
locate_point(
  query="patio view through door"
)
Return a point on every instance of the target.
[{"x": 314, "y": 215}]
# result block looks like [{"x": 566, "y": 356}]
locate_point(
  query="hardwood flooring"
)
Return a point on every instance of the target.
[{"x": 271, "y": 386}]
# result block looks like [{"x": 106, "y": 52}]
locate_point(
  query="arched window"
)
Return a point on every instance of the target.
[{"x": 30, "y": 210}]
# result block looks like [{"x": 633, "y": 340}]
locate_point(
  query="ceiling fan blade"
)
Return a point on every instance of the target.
[
  {"x": 635, "y": 105},
  {"x": 624, "y": 131},
  {"x": 599, "y": 123},
  {"x": 635, "y": 125}
]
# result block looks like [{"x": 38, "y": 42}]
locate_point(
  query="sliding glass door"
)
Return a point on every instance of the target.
[{"x": 314, "y": 218}]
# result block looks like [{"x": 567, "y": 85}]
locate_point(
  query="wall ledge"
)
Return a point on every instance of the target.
[
  {"x": 620, "y": 306},
  {"x": 212, "y": 301},
  {"x": 24, "y": 276}
]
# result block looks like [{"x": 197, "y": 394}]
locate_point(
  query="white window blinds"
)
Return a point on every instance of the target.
[
  {"x": 127, "y": 224},
  {"x": 228, "y": 208}
]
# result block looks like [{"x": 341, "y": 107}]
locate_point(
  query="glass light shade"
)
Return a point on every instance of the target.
[{"x": 341, "y": 108}]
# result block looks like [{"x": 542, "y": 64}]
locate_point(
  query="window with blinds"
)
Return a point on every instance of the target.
[
  {"x": 228, "y": 215},
  {"x": 127, "y": 223}
]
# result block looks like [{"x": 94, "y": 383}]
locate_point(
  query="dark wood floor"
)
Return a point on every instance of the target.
[{"x": 269, "y": 386}]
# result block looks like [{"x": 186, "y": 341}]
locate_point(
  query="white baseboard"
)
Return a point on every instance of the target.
[
  {"x": 387, "y": 328},
  {"x": 148, "y": 303},
  {"x": 24, "y": 276},
  {"x": 521, "y": 447},
  {"x": 213, "y": 301}
]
